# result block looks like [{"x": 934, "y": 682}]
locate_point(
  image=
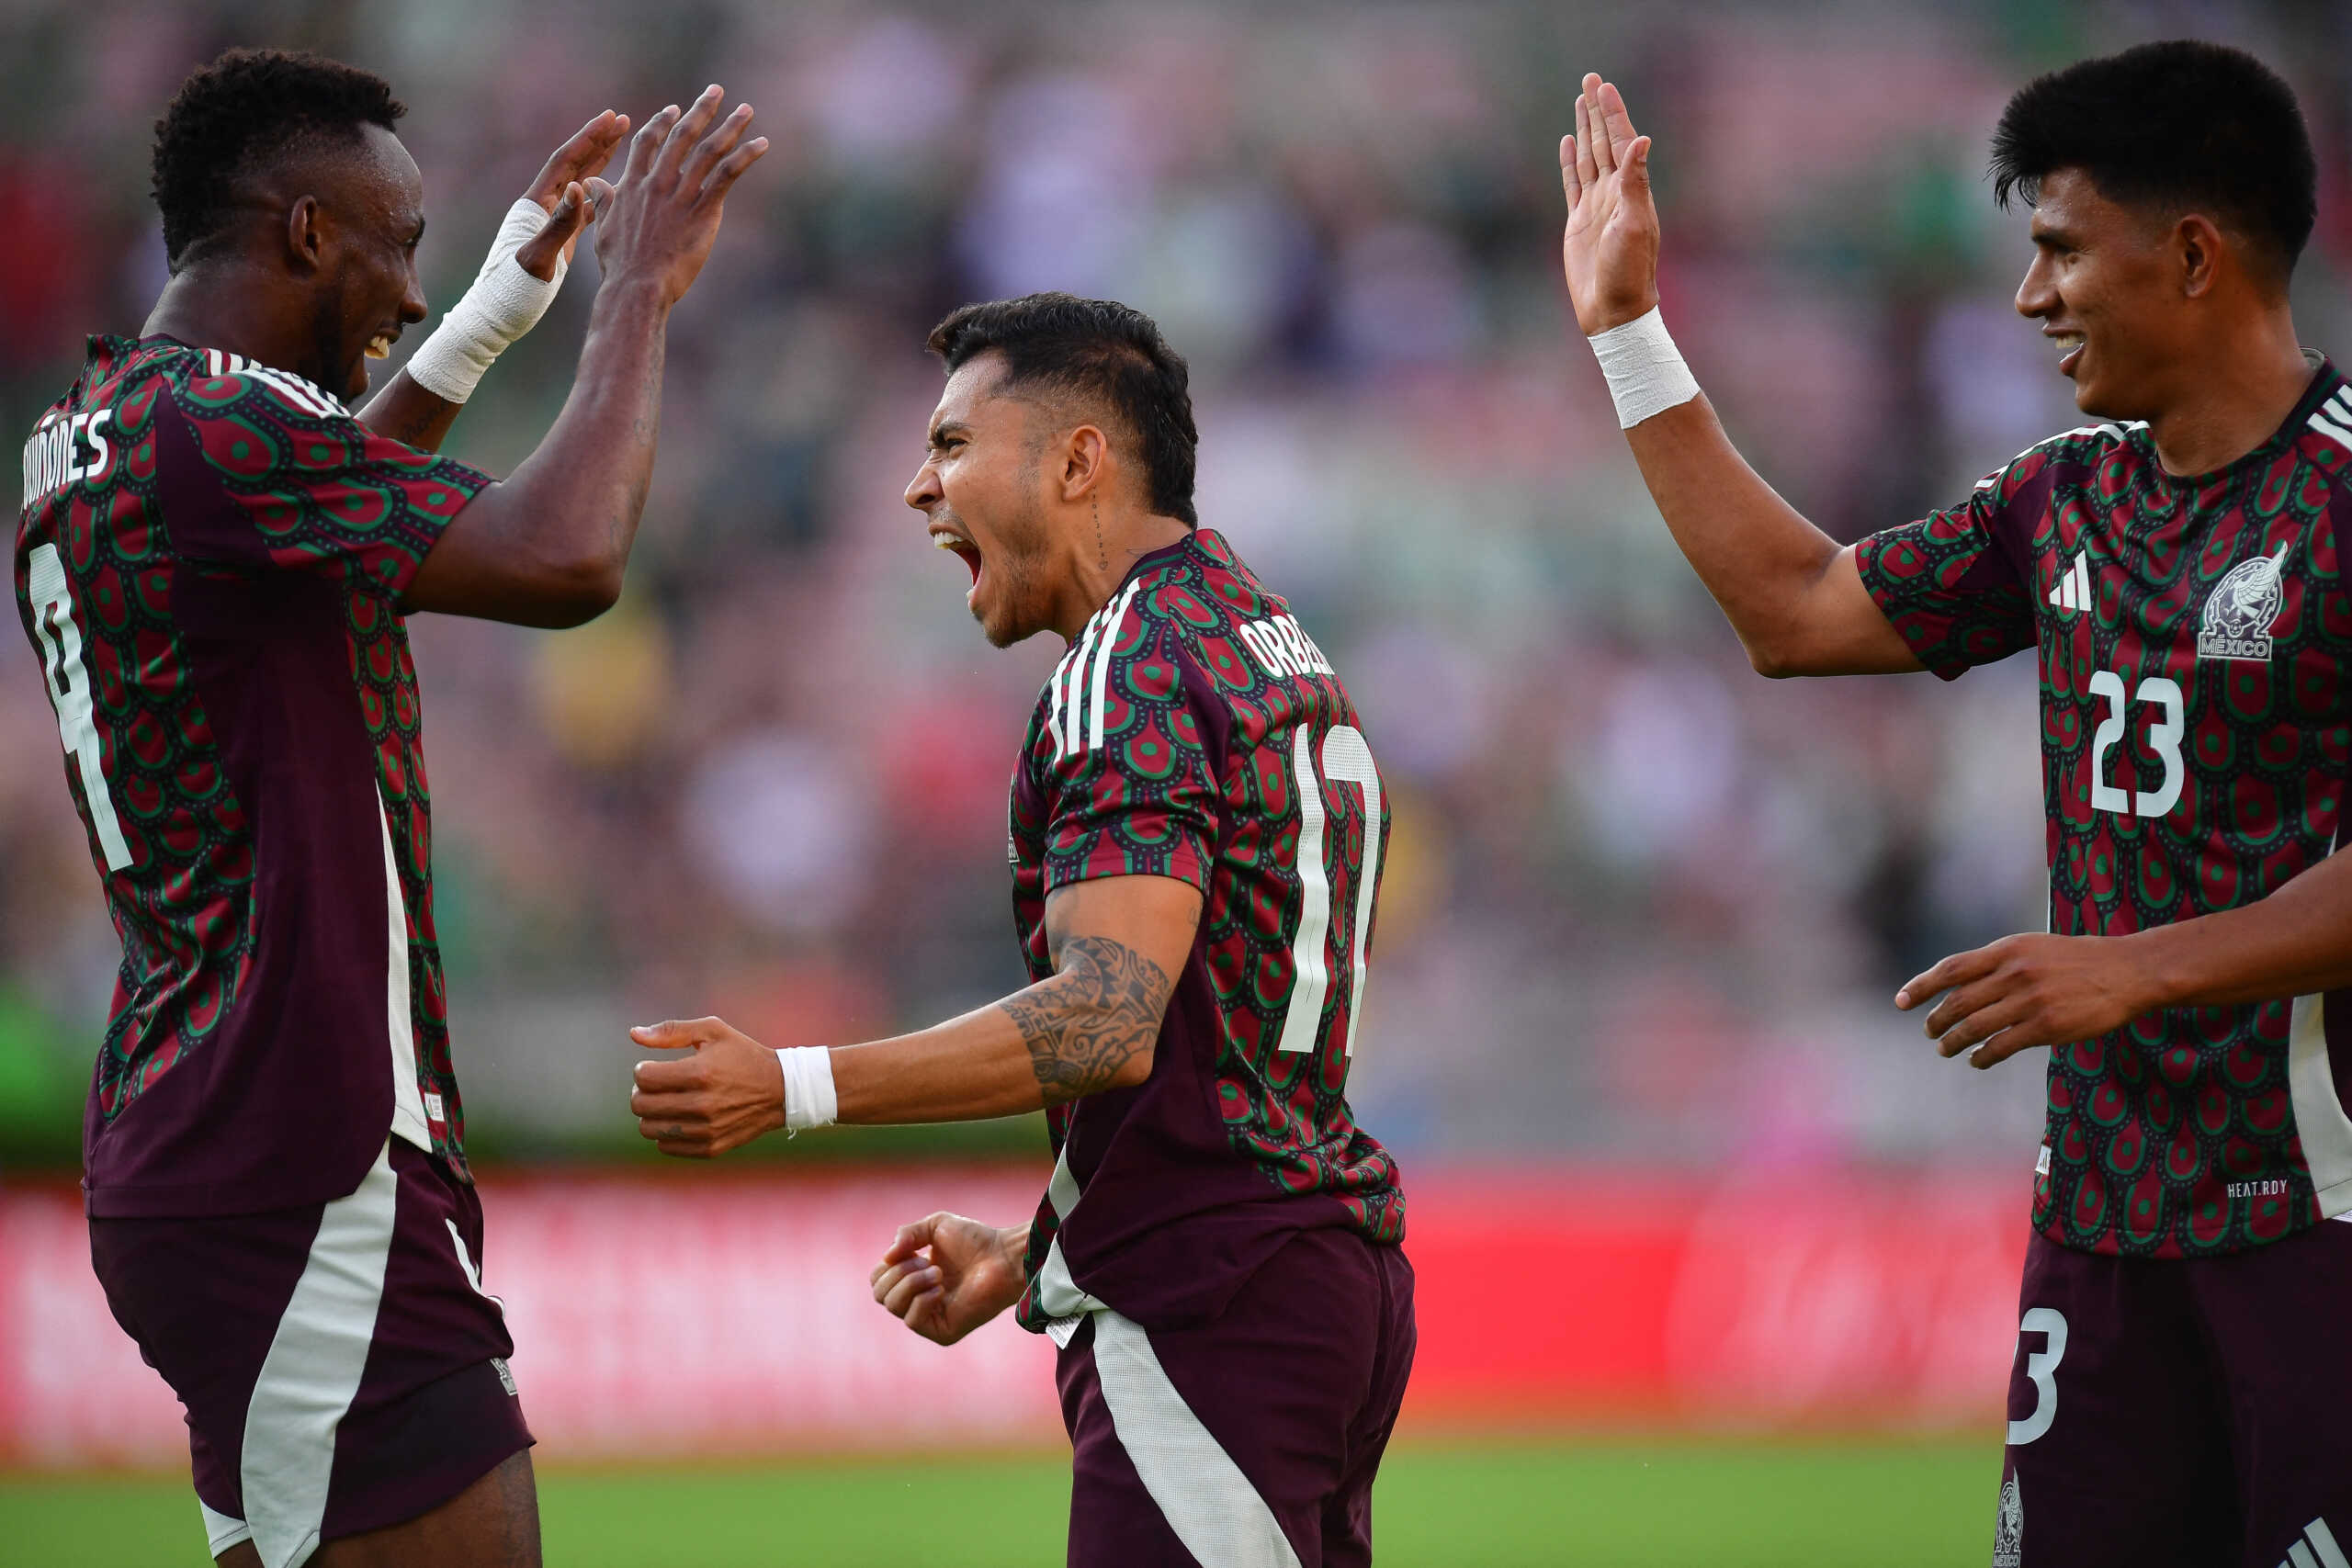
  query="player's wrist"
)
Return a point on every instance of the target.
[
  {"x": 1644, "y": 369},
  {"x": 504, "y": 302},
  {"x": 808, "y": 1094}
]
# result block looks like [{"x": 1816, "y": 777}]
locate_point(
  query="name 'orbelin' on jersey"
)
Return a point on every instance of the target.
[
  {"x": 2194, "y": 634},
  {"x": 1194, "y": 731}
]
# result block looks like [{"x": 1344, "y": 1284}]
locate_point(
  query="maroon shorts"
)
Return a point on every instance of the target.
[
  {"x": 2182, "y": 1414},
  {"x": 1252, "y": 1438},
  {"x": 341, "y": 1368}
]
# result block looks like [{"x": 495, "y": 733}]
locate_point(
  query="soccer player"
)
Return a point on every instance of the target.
[
  {"x": 1196, "y": 836},
  {"x": 213, "y": 562},
  {"x": 2183, "y": 1371}
]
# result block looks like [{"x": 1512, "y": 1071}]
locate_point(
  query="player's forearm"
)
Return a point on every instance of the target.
[
  {"x": 408, "y": 413},
  {"x": 2296, "y": 943},
  {"x": 1755, "y": 553},
  {"x": 1090, "y": 1027},
  {"x": 567, "y": 517}
]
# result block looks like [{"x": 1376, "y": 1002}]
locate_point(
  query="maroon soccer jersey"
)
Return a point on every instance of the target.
[
  {"x": 209, "y": 563},
  {"x": 2196, "y": 731},
  {"x": 1193, "y": 730}
]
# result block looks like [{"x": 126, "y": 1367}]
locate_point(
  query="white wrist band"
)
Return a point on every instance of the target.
[
  {"x": 1645, "y": 373},
  {"x": 808, "y": 1097},
  {"x": 503, "y": 303}
]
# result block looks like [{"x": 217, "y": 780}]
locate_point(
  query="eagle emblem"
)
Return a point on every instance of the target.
[
  {"x": 2008, "y": 1531},
  {"x": 2240, "y": 610}
]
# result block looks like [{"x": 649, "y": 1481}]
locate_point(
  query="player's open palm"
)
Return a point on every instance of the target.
[
  {"x": 665, "y": 211},
  {"x": 1609, "y": 252},
  {"x": 944, "y": 1275}
]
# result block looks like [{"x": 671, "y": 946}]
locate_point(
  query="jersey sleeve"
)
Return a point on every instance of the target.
[
  {"x": 1956, "y": 583},
  {"x": 302, "y": 486},
  {"x": 1134, "y": 791}
]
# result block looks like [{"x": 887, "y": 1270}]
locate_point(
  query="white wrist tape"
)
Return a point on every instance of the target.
[
  {"x": 808, "y": 1097},
  {"x": 1646, "y": 372},
  {"x": 503, "y": 303}
]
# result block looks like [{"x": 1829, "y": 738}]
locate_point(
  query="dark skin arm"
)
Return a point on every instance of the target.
[
  {"x": 569, "y": 191},
  {"x": 547, "y": 546},
  {"x": 2037, "y": 989},
  {"x": 1117, "y": 945}
]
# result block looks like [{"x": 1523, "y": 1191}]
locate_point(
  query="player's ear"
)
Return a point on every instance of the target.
[
  {"x": 2197, "y": 247},
  {"x": 1086, "y": 461},
  {"x": 305, "y": 233}
]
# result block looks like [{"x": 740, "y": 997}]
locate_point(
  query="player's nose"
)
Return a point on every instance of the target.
[
  {"x": 2037, "y": 292},
  {"x": 922, "y": 492}
]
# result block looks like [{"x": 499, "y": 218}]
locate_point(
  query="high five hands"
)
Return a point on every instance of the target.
[
  {"x": 1609, "y": 252},
  {"x": 664, "y": 213},
  {"x": 571, "y": 193}
]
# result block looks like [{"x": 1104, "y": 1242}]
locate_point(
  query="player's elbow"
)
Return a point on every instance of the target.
[
  {"x": 578, "y": 592},
  {"x": 1132, "y": 1072},
  {"x": 1773, "y": 657}
]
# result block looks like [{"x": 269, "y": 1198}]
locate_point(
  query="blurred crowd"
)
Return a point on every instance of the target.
[{"x": 1642, "y": 904}]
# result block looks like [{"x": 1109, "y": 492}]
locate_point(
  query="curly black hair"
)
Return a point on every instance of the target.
[
  {"x": 250, "y": 105},
  {"x": 1108, "y": 353},
  {"x": 2180, "y": 126}
]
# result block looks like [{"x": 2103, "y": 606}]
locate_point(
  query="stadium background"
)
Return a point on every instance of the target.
[{"x": 1717, "y": 1258}]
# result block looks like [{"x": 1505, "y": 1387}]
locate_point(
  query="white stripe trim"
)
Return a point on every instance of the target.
[
  {"x": 312, "y": 1370},
  {"x": 1067, "y": 690},
  {"x": 1206, "y": 1500},
  {"x": 2329, "y": 428},
  {"x": 1097, "y": 698},
  {"x": 409, "y": 1123},
  {"x": 2322, "y": 1541},
  {"x": 1062, "y": 1191},
  {"x": 223, "y": 1531},
  {"x": 2324, "y": 1132},
  {"x": 1054, "y": 700},
  {"x": 2300, "y": 1556},
  {"x": 1303, "y": 1020}
]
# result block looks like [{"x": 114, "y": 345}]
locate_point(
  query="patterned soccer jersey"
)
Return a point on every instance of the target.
[
  {"x": 2196, "y": 731},
  {"x": 209, "y": 563},
  {"x": 1194, "y": 731}
]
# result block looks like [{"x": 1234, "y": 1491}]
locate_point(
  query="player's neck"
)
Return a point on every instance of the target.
[
  {"x": 217, "y": 305},
  {"x": 1097, "y": 565},
  {"x": 2237, "y": 399}
]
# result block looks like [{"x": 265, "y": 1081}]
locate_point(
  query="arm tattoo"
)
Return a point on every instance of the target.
[{"x": 1090, "y": 1020}]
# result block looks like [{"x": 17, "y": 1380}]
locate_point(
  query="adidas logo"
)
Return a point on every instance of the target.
[
  {"x": 2317, "y": 1550},
  {"x": 2074, "y": 590}
]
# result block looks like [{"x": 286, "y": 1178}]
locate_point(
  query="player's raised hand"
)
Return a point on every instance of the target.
[
  {"x": 728, "y": 1092},
  {"x": 944, "y": 1275},
  {"x": 664, "y": 213},
  {"x": 569, "y": 191},
  {"x": 1609, "y": 252},
  {"x": 2031, "y": 989}
]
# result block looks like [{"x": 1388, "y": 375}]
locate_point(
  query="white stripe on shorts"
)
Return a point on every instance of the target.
[
  {"x": 312, "y": 1372},
  {"x": 221, "y": 1530},
  {"x": 1206, "y": 1500}
]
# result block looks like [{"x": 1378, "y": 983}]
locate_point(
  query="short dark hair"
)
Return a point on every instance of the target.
[
  {"x": 2185, "y": 125},
  {"x": 247, "y": 107},
  {"x": 1100, "y": 350}
]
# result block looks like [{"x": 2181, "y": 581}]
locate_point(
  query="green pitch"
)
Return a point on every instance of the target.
[{"x": 1584, "y": 1503}]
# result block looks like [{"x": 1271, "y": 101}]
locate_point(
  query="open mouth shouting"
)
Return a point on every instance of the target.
[
  {"x": 380, "y": 345},
  {"x": 948, "y": 539}
]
